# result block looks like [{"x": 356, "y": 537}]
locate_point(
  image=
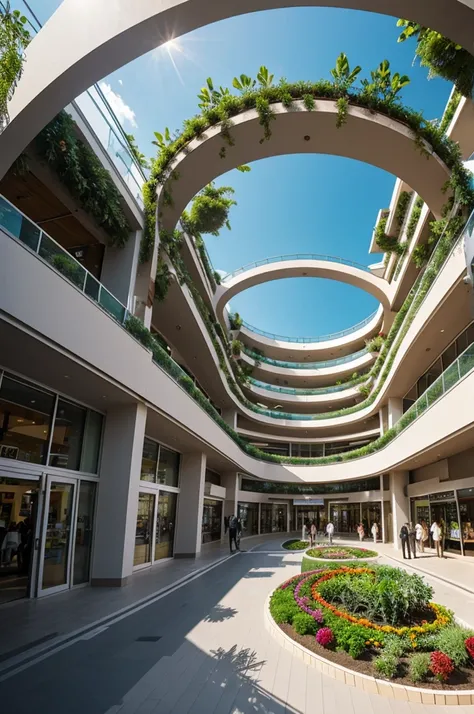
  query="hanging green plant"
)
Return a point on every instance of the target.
[
  {"x": 162, "y": 280},
  {"x": 443, "y": 57},
  {"x": 209, "y": 211},
  {"x": 387, "y": 243},
  {"x": 81, "y": 171},
  {"x": 14, "y": 39},
  {"x": 402, "y": 208}
]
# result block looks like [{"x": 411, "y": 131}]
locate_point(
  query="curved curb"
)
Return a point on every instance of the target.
[
  {"x": 368, "y": 684},
  {"x": 339, "y": 560}
]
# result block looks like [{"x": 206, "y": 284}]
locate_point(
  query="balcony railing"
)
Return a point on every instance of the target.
[
  {"x": 303, "y": 392},
  {"x": 18, "y": 226},
  {"x": 308, "y": 340},
  {"x": 305, "y": 365},
  {"x": 294, "y": 256}
]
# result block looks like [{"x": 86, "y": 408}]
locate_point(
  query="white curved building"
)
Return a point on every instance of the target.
[{"x": 121, "y": 446}]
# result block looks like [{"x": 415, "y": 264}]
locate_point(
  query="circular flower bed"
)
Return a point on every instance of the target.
[
  {"x": 295, "y": 544},
  {"x": 379, "y": 621},
  {"x": 340, "y": 552}
]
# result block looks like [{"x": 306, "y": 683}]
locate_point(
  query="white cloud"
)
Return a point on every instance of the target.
[{"x": 122, "y": 111}]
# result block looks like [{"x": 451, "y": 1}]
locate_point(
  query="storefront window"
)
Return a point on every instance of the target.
[
  {"x": 165, "y": 525},
  {"x": 273, "y": 518},
  {"x": 168, "y": 467},
  {"x": 85, "y": 520},
  {"x": 248, "y": 515},
  {"x": 372, "y": 513},
  {"x": 92, "y": 441},
  {"x": 345, "y": 517},
  {"x": 149, "y": 460},
  {"x": 143, "y": 534},
  {"x": 466, "y": 510},
  {"x": 211, "y": 520},
  {"x": 25, "y": 421},
  {"x": 444, "y": 510},
  {"x": 67, "y": 436},
  {"x": 257, "y": 486}
]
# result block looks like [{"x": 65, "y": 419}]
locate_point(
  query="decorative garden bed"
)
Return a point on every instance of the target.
[
  {"x": 376, "y": 627},
  {"x": 340, "y": 553},
  {"x": 295, "y": 544}
]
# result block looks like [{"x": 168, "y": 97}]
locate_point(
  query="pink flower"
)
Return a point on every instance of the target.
[{"x": 324, "y": 636}]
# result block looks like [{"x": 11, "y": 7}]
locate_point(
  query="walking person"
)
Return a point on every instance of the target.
[
  {"x": 375, "y": 531},
  {"x": 330, "y": 531},
  {"x": 313, "y": 533},
  {"x": 233, "y": 527},
  {"x": 412, "y": 538},
  {"x": 405, "y": 541},
  {"x": 419, "y": 536},
  {"x": 436, "y": 534},
  {"x": 361, "y": 532},
  {"x": 426, "y": 535}
]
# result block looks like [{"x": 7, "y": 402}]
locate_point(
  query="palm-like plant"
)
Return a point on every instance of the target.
[
  {"x": 210, "y": 96},
  {"x": 443, "y": 57},
  {"x": 244, "y": 83},
  {"x": 342, "y": 74},
  {"x": 162, "y": 140},
  {"x": 264, "y": 78},
  {"x": 384, "y": 86}
]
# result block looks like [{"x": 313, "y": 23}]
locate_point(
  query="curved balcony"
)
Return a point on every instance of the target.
[{"x": 303, "y": 400}]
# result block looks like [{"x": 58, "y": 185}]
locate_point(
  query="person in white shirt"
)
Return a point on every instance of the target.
[
  {"x": 374, "y": 531},
  {"x": 436, "y": 535},
  {"x": 330, "y": 531},
  {"x": 419, "y": 536}
]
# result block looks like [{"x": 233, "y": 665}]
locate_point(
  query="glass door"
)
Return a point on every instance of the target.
[{"x": 56, "y": 542}]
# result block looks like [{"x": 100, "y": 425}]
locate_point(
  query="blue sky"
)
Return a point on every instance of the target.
[{"x": 306, "y": 204}]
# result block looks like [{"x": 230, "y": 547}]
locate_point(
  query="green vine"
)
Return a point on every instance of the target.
[
  {"x": 402, "y": 207},
  {"x": 81, "y": 171},
  {"x": 387, "y": 243},
  {"x": 14, "y": 39},
  {"x": 414, "y": 218}
]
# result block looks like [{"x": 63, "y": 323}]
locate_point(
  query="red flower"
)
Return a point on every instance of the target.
[
  {"x": 441, "y": 665},
  {"x": 324, "y": 636},
  {"x": 470, "y": 646}
]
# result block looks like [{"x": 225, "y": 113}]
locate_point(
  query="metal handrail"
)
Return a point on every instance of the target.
[
  {"x": 305, "y": 365},
  {"x": 295, "y": 256},
  {"x": 308, "y": 340},
  {"x": 19, "y": 227}
]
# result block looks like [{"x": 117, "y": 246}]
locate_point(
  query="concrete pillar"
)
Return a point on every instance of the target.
[
  {"x": 119, "y": 269},
  {"x": 188, "y": 539},
  {"x": 395, "y": 410},
  {"x": 230, "y": 417},
  {"x": 117, "y": 504},
  {"x": 230, "y": 481},
  {"x": 400, "y": 503}
]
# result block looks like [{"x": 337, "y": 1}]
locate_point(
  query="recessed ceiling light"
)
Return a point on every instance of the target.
[
  {"x": 178, "y": 327},
  {"x": 307, "y": 137},
  {"x": 66, "y": 376},
  {"x": 33, "y": 401},
  {"x": 104, "y": 396},
  {"x": 441, "y": 330}
]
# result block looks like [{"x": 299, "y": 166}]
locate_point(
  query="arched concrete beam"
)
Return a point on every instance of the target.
[
  {"x": 367, "y": 136},
  {"x": 85, "y": 40},
  {"x": 378, "y": 287}
]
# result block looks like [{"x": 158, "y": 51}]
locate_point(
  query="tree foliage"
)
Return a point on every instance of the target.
[
  {"x": 14, "y": 38},
  {"x": 210, "y": 210},
  {"x": 443, "y": 57},
  {"x": 141, "y": 158}
]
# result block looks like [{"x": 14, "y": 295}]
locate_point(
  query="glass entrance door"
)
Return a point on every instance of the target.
[{"x": 56, "y": 546}]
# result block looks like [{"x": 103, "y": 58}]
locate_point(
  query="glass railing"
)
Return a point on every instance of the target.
[
  {"x": 304, "y": 392},
  {"x": 17, "y": 225},
  {"x": 321, "y": 338},
  {"x": 294, "y": 256},
  {"x": 306, "y": 365},
  {"x": 105, "y": 125}
]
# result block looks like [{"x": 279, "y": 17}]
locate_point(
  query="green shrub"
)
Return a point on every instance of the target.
[
  {"x": 396, "y": 646},
  {"x": 304, "y": 624},
  {"x": 419, "y": 666},
  {"x": 284, "y": 612},
  {"x": 386, "y": 665},
  {"x": 427, "y": 641},
  {"x": 296, "y": 544},
  {"x": 451, "y": 640}
]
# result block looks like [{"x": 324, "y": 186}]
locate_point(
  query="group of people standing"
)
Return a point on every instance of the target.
[
  {"x": 415, "y": 537},
  {"x": 312, "y": 531},
  {"x": 361, "y": 530}
]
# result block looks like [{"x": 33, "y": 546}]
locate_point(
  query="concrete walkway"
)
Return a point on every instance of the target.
[{"x": 197, "y": 647}]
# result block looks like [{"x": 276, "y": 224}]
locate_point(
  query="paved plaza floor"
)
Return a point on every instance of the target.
[{"x": 187, "y": 637}]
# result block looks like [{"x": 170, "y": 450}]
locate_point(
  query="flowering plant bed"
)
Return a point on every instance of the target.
[
  {"x": 340, "y": 552},
  {"x": 378, "y": 621},
  {"x": 295, "y": 544}
]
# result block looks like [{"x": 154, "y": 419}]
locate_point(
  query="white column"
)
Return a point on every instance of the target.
[
  {"x": 230, "y": 417},
  {"x": 188, "y": 537},
  {"x": 395, "y": 410},
  {"x": 230, "y": 481},
  {"x": 400, "y": 504},
  {"x": 117, "y": 504},
  {"x": 119, "y": 269}
]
